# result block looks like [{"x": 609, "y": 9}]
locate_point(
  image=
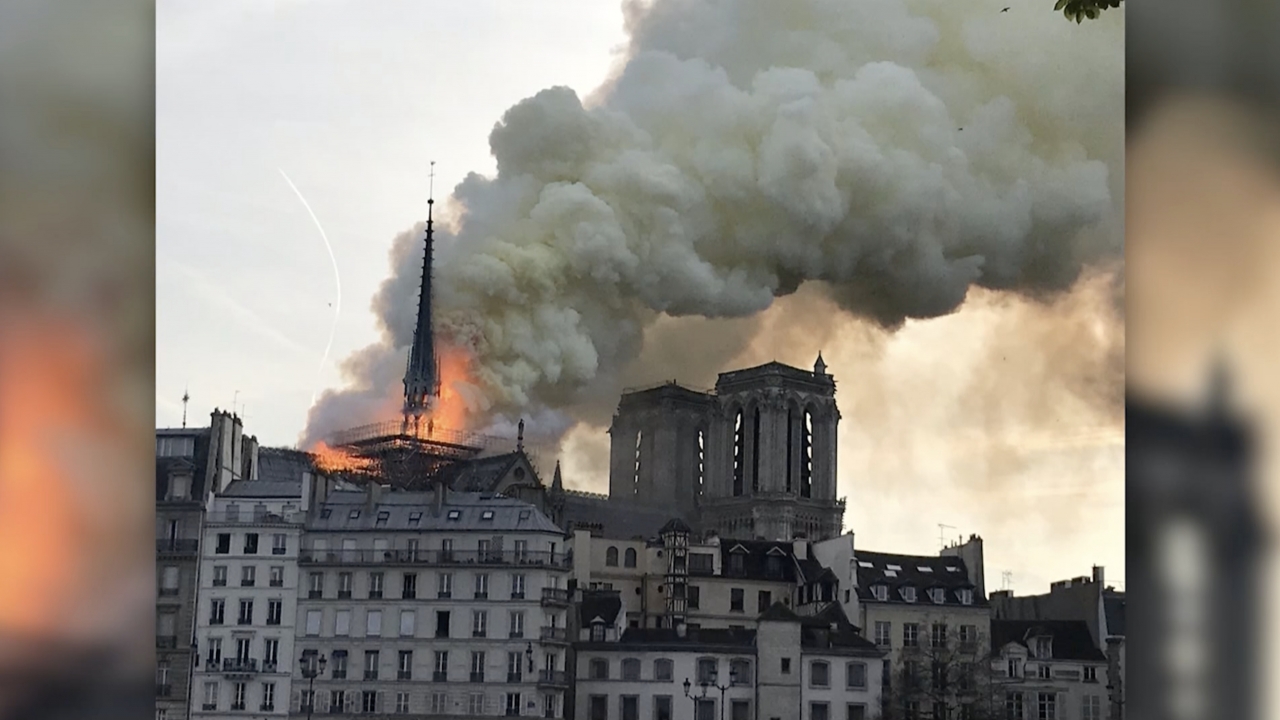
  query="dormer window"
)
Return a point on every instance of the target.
[
  {"x": 415, "y": 518},
  {"x": 354, "y": 515},
  {"x": 597, "y": 631},
  {"x": 486, "y": 515},
  {"x": 881, "y": 592},
  {"x": 737, "y": 563},
  {"x": 937, "y": 595},
  {"x": 966, "y": 596},
  {"x": 1043, "y": 648},
  {"x": 383, "y": 516},
  {"x": 909, "y": 594},
  {"x": 454, "y": 514}
]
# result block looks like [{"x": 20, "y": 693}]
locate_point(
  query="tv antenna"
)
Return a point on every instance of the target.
[
  {"x": 1006, "y": 580},
  {"x": 186, "y": 397},
  {"x": 942, "y": 534}
]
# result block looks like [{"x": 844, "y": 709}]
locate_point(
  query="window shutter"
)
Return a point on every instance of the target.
[
  {"x": 349, "y": 701},
  {"x": 295, "y": 701}
]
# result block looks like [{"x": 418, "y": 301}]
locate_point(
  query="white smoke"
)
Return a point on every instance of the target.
[{"x": 896, "y": 152}]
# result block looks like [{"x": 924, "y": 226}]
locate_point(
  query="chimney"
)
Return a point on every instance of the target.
[
  {"x": 800, "y": 546},
  {"x": 440, "y": 490},
  {"x": 681, "y": 630},
  {"x": 1099, "y": 575},
  {"x": 373, "y": 495}
]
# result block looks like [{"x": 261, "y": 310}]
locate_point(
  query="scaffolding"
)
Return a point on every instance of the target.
[{"x": 408, "y": 455}]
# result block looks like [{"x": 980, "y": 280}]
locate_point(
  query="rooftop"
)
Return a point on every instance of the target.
[
  {"x": 407, "y": 510},
  {"x": 921, "y": 572},
  {"x": 1071, "y": 638}
]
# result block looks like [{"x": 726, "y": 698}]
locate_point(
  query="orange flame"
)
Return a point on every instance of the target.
[{"x": 335, "y": 460}]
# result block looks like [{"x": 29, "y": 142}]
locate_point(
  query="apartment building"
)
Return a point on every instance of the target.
[
  {"x": 248, "y": 598},
  {"x": 437, "y": 603},
  {"x": 709, "y": 583},
  {"x": 1047, "y": 670},
  {"x": 786, "y": 667}
]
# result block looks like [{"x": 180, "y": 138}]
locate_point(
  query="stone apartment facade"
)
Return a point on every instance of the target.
[
  {"x": 1047, "y": 669},
  {"x": 439, "y": 604}
]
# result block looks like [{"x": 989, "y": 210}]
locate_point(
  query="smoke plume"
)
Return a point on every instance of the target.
[{"x": 892, "y": 155}]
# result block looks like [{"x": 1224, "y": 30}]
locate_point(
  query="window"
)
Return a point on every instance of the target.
[
  {"x": 224, "y": 544},
  {"x": 408, "y": 622},
  {"x": 415, "y": 518},
  {"x": 913, "y": 709},
  {"x": 279, "y": 544},
  {"x": 611, "y": 557},
  {"x": 210, "y": 696},
  {"x": 1014, "y": 669},
  {"x": 855, "y": 712},
  {"x": 438, "y": 703},
  {"x": 316, "y": 581},
  {"x": 479, "y": 623},
  {"x": 740, "y": 710},
  {"x": 370, "y": 664},
  {"x": 737, "y": 563},
  {"x": 217, "y": 611},
  {"x": 251, "y": 544},
  {"x": 268, "y": 696},
  {"x": 819, "y": 674},
  {"x": 966, "y": 596},
  {"x": 444, "y": 586},
  {"x": 1045, "y": 672},
  {"x": 354, "y": 515},
  {"x": 442, "y": 623},
  {"x": 515, "y": 671},
  {"x": 598, "y": 669},
  {"x": 1047, "y": 706},
  {"x": 274, "y": 610},
  {"x": 246, "y": 613},
  {"x": 338, "y": 664},
  {"x": 910, "y": 635},
  {"x": 939, "y": 709},
  {"x": 938, "y": 636},
  {"x": 880, "y": 592},
  {"x": 441, "y": 672},
  {"x": 763, "y": 600},
  {"x": 909, "y": 594},
  {"x": 707, "y": 670},
  {"x": 513, "y": 699},
  {"x": 740, "y": 672},
  {"x": 373, "y": 623},
  {"x": 475, "y": 701},
  {"x": 342, "y": 623},
  {"x": 938, "y": 595},
  {"x": 402, "y": 703},
  {"x": 482, "y": 586},
  {"x": 344, "y": 584},
  {"x": 517, "y": 586},
  {"x": 883, "y": 632},
  {"x": 630, "y": 669},
  {"x": 477, "y": 666},
  {"x": 965, "y": 675},
  {"x": 369, "y": 701},
  {"x": 598, "y": 707},
  {"x": 704, "y": 710},
  {"x": 446, "y": 550},
  {"x": 597, "y": 632},
  {"x": 735, "y": 600},
  {"x": 629, "y": 558},
  {"x": 968, "y": 636},
  {"x": 1043, "y": 648},
  {"x": 1091, "y": 709},
  {"x": 404, "y": 671},
  {"x": 939, "y": 683},
  {"x": 693, "y": 596},
  {"x": 219, "y": 575},
  {"x": 521, "y": 550},
  {"x": 275, "y": 576},
  {"x": 663, "y": 670},
  {"x": 662, "y": 707},
  {"x": 1090, "y": 673},
  {"x": 819, "y": 711},
  {"x": 630, "y": 707},
  {"x": 215, "y": 651},
  {"x": 238, "y": 691},
  {"x": 855, "y": 676},
  {"x": 517, "y": 624},
  {"x": 242, "y": 650},
  {"x": 381, "y": 519},
  {"x": 484, "y": 548},
  {"x": 786, "y": 666},
  {"x": 409, "y": 586},
  {"x": 169, "y": 580},
  {"x": 375, "y": 586}
]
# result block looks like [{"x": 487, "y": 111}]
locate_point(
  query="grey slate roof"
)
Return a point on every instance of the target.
[
  {"x": 284, "y": 464},
  {"x": 949, "y": 573},
  {"x": 509, "y": 515},
  {"x": 603, "y": 604},
  {"x": 263, "y": 489},
  {"x": 1071, "y": 638},
  {"x": 480, "y": 474},
  {"x": 617, "y": 519}
]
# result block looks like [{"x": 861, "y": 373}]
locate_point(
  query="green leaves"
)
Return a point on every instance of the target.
[{"x": 1078, "y": 10}]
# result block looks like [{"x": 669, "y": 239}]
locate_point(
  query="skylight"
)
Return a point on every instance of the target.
[
  {"x": 454, "y": 514},
  {"x": 864, "y": 563},
  {"x": 894, "y": 567},
  {"x": 524, "y": 514},
  {"x": 953, "y": 568},
  {"x": 891, "y": 573},
  {"x": 486, "y": 515},
  {"x": 924, "y": 568},
  {"x": 325, "y": 513},
  {"x": 355, "y": 515},
  {"x": 415, "y": 518}
]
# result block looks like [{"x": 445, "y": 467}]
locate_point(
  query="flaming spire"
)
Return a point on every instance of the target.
[{"x": 422, "y": 376}]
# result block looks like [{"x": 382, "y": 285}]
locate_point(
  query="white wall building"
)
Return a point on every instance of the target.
[
  {"x": 1048, "y": 670},
  {"x": 247, "y": 597},
  {"x": 451, "y": 604}
]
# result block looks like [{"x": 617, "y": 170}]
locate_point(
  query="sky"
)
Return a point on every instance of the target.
[{"x": 351, "y": 102}]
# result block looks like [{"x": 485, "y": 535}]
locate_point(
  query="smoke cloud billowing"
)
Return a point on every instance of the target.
[{"x": 886, "y": 155}]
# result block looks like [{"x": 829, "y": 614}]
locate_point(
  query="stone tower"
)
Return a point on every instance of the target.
[{"x": 754, "y": 458}]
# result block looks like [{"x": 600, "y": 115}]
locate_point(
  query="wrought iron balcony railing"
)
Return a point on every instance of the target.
[{"x": 509, "y": 558}]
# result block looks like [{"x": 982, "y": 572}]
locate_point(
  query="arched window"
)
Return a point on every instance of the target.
[
  {"x": 739, "y": 452},
  {"x": 806, "y": 455},
  {"x": 819, "y": 674},
  {"x": 755, "y": 450},
  {"x": 702, "y": 461},
  {"x": 635, "y": 477},
  {"x": 611, "y": 556},
  {"x": 629, "y": 559}
]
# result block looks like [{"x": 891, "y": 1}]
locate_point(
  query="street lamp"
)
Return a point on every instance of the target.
[
  {"x": 704, "y": 685},
  {"x": 312, "y": 667}
]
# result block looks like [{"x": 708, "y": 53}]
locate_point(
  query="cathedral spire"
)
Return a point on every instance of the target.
[
  {"x": 820, "y": 367},
  {"x": 422, "y": 376},
  {"x": 557, "y": 482}
]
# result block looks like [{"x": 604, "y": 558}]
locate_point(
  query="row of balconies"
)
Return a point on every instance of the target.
[
  {"x": 254, "y": 517},
  {"x": 550, "y": 596},
  {"x": 527, "y": 558},
  {"x": 383, "y": 715}
]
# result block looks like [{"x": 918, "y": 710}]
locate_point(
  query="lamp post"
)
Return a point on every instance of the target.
[
  {"x": 312, "y": 667},
  {"x": 704, "y": 685}
]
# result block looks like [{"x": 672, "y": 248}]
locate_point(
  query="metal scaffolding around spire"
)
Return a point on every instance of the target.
[{"x": 422, "y": 376}]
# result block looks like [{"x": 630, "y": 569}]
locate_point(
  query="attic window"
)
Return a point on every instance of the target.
[
  {"x": 938, "y": 595},
  {"x": 864, "y": 563},
  {"x": 486, "y": 515},
  {"x": 966, "y": 596},
  {"x": 354, "y": 515},
  {"x": 952, "y": 568},
  {"x": 454, "y": 514},
  {"x": 909, "y": 594},
  {"x": 924, "y": 568},
  {"x": 415, "y": 518},
  {"x": 383, "y": 516},
  {"x": 524, "y": 514},
  {"x": 881, "y": 592},
  {"x": 894, "y": 567},
  {"x": 325, "y": 513},
  {"x": 890, "y": 573}
]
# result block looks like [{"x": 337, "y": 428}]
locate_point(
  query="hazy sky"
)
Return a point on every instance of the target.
[{"x": 353, "y": 100}]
